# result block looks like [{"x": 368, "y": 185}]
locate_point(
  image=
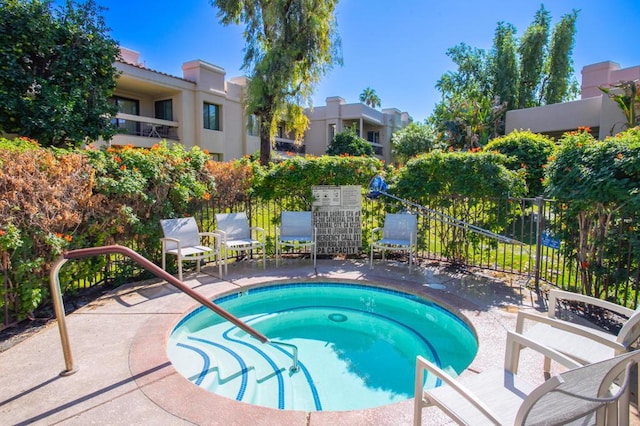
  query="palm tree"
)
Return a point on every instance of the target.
[{"x": 369, "y": 97}]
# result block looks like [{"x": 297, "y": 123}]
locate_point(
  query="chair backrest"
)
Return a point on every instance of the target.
[
  {"x": 296, "y": 224},
  {"x": 579, "y": 392},
  {"x": 184, "y": 229},
  {"x": 630, "y": 331},
  {"x": 400, "y": 226},
  {"x": 235, "y": 225}
]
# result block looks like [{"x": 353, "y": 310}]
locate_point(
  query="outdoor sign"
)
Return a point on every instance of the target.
[
  {"x": 336, "y": 215},
  {"x": 549, "y": 241}
]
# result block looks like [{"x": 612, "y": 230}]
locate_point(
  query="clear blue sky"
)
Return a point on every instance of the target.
[{"x": 396, "y": 48}]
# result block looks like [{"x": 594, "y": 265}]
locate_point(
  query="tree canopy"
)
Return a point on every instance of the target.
[
  {"x": 414, "y": 139},
  {"x": 349, "y": 143},
  {"x": 514, "y": 73},
  {"x": 370, "y": 97},
  {"x": 290, "y": 45},
  {"x": 57, "y": 74}
]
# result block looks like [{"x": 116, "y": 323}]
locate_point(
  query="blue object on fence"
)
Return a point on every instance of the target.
[
  {"x": 377, "y": 187},
  {"x": 549, "y": 241}
]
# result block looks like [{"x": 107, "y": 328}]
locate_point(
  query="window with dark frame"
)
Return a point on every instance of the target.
[
  {"x": 211, "y": 116},
  {"x": 164, "y": 109},
  {"x": 126, "y": 106}
]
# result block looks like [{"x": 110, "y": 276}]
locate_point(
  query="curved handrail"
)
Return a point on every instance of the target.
[{"x": 149, "y": 266}]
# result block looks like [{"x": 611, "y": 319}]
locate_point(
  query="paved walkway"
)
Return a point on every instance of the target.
[{"x": 124, "y": 377}]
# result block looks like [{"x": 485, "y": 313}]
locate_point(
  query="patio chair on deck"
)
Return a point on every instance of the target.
[
  {"x": 296, "y": 230},
  {"x": 399, "y": 233},
  {"x": 582, "y": 342},
  {"x": 596, "y": 393},
  {"x": 183, "y": 240},
  {"x": 236, "y": 235}
]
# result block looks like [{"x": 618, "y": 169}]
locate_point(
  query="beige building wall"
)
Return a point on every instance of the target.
[
  {"x": 202, "y": 83},
  {"x": 594, "y": 110},
  {"x": 371, "y": 124}
]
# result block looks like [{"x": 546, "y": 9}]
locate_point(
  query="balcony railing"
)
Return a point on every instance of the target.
[
  {"x": 288, "y": 145},
  {"x": 137, "y": 125}
]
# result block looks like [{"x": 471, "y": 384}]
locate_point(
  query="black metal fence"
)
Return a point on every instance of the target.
[{"x": 537, "y": 256}]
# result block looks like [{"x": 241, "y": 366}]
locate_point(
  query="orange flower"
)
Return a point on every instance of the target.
[
  {"x": 57, "y": 234},
  {"x": 450, "y": 149},
  {"x": 2, "y": 232},
  {"x": 206, "y": 196},
  {"x": 68, "y": 238},
  {"x": 123, "y": 167},
  {"x": 619, "y": 156},
  {"x": 117, "y": 159}
]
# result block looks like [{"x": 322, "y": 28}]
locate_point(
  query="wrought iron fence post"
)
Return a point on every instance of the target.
[{"x": 539, "y": 230}]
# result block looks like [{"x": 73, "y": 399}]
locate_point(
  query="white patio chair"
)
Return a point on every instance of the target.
[
  {"x": 582, "y": 342},
  {"x": 596, "y": 393},
  {"x": 296, "y": 230},
  {"x": 399, "y": 233},
  {"x": 183, "y": 240},
  {"x": 236, "y": 235}
]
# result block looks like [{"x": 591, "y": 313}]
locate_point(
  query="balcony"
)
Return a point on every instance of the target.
[
  {"x": 287, "y": 145},
  {"x": 147, "y": 130}
]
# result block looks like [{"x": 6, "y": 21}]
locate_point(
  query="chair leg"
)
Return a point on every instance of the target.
[{"x": 180, "y": 268}]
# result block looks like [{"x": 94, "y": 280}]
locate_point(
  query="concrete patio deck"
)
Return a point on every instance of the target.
[{"x": 124, "y": 376}]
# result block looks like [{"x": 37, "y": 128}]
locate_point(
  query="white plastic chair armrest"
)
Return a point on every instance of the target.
[
  {"x": 222, "y": 234},
  {"x": 555, "y": 295},
  {"x": 259, "y": 231},
  {"x": 170, "y": 239},
  {"x": 566, "y": 326},
  {"x": 516, "y": 341},
  {"x": 422, "y": 363}
]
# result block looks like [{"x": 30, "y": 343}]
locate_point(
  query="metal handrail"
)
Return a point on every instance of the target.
[{"x": 149, "y": 266}]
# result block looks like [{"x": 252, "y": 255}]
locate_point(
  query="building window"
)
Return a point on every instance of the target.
[
  {"x": 126, "y": 106},
  {"x": 373, "y": 137},
  {"x": 332, "y": 132},
  {"x": 164, "y": 109},
  {"x": 211, "y": 118},
  {"x": 215, "y": 156}
]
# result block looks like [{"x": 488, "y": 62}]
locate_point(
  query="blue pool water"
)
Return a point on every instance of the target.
[{"x": 357, "y": 346}]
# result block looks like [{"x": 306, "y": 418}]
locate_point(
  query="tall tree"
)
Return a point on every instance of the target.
[
  {"x": 504, "y": 65},
  {"x": 57, "y": 72},
  {"x": 483, "y": 88},
  {"x": 370, "y": 97},
  {"x": 532, "y": 52},
  {"x": 559, "y": 66},
  {"x": 290, "y": 45}
]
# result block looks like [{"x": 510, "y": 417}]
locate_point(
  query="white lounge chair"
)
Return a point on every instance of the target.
[
  {"x": 596, "y": 393},
  {"x": 296, "y": 230},
  {"x": 183, "y": 240},
  {"x": 399, "y": 233},
  {"x": 584, "y": 343},
  {"x": 236, "y": 235}
]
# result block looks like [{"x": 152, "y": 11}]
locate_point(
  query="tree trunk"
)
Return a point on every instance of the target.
[{"x": 265, "y": 141}]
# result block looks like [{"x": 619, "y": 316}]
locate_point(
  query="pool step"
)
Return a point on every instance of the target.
[{"x": 245, "y": 370}]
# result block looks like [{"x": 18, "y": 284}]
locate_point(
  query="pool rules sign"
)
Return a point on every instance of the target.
[{"x": 336, "y": 215}]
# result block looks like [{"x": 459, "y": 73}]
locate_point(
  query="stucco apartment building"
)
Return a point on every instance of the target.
[
  {"x": 203, "y": 108},
  {"x": 594, "y": 109}
]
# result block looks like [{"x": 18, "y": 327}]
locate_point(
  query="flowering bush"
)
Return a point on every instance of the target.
[
  {"x": 597, "y": 184},
  {"x": 437, "y": 179},
  {"x": 43, "y": 197},
  {"x": 528, "y": 151}
]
